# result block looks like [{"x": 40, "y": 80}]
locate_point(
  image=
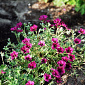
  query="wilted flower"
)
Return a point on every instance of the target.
[
  {"x": 44, "y": 60},
  {"x": 41, "y": 43},
  {"x": 71, "y": 57},
  {"x": 30, "y": 83},
  {"x": 61, "y": 63},
  {"x": 28, "y": 57},
  {"x": 68, "y": 66},
  {"x": 58, "y": 79},
  {"x": 69, "y": 50},
  {"x": 26, "y": 40},
  {"x": 47, "y": 77},
  {"x": 32, "y": 65},
  {"x": 33, "y": 28},
  {"x": 60, "y": 50},
  {"x": 14, "y": 55},
  {"x": 61, "y": 70},
  {"x": 81, "y": 31},
  {"x": 77, "y": 41}
]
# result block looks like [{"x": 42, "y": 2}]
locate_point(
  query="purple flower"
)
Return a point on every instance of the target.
[
  {"x": 43, "y": 17},
  {"x": 52, "y": 69},
  {"x": 28, "y": 45},
  {"x": 65, "y": 58},
  {"x": 24, "y": 49},
  {"x": 14, "y": 29},
  {"x": 57, "y": 20},
  {"x": 60, "y": 50},
  {"x": 32, "y": 65},
  {"x": 63, "y": 24},
  {"x": 47, "y": 77},
  {"x": 69, "y": 50},
  {"x": 55, "y": 73},
  {"x": 77, "y": 41},
  {"x": 68, "y": 66},
  {"x": 19, "y": 25},
  {"x": 58, "y": 79},
  {"x": 58, "y": 24},
  {"x": 26, "y": 40},
  {"x": 41, "y": 43},
  {"x": 30, "y": 83},
  {"x": 81, "y": 31},
  {"x": 47, "y": 20},
  {"x": 2, "y": 72},
  {"x": 51, "y": 25},
  {"x": 14, "y": 55},
  {"x": 64, "y": 9},
  {"x": 33, "y": 28},
  {"x": 61, "y": 70},
  {"x": 55, "y": 45},
  {"x": 44, "y": 60},
  {"x": 28, "y": 57},
  {"x": 54, "y": 40},
  {"x": 19, "y": 30},
  {"x": 71, "y": 57},
  {"x": 61, "y": 63}
]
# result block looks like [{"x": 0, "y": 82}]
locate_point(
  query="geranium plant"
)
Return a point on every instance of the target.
[{"x": 44, "y": 54}]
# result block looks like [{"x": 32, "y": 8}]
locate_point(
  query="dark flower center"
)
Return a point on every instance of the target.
[{"x": 27, "y": 58}]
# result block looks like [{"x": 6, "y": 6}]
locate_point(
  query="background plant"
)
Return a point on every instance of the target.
[{"x": 79, "y": 4}]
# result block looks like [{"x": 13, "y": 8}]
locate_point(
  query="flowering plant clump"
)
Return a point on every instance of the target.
[{"x": 44, "y": 54}]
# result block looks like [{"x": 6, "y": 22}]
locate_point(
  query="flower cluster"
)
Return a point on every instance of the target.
[
  {"x": 58, "y": 24},
  {"x": 44, "y": 18},
  {"x": 28, "y": 45},
  {"x": 17, "y": 27},
  {"x": 44, "y": 56},
  {"x": 63, "y": 65},
  {"x": 55, "y": 43}
]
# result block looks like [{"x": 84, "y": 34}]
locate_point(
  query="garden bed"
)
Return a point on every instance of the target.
[{"x": 74, "y": 21}]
